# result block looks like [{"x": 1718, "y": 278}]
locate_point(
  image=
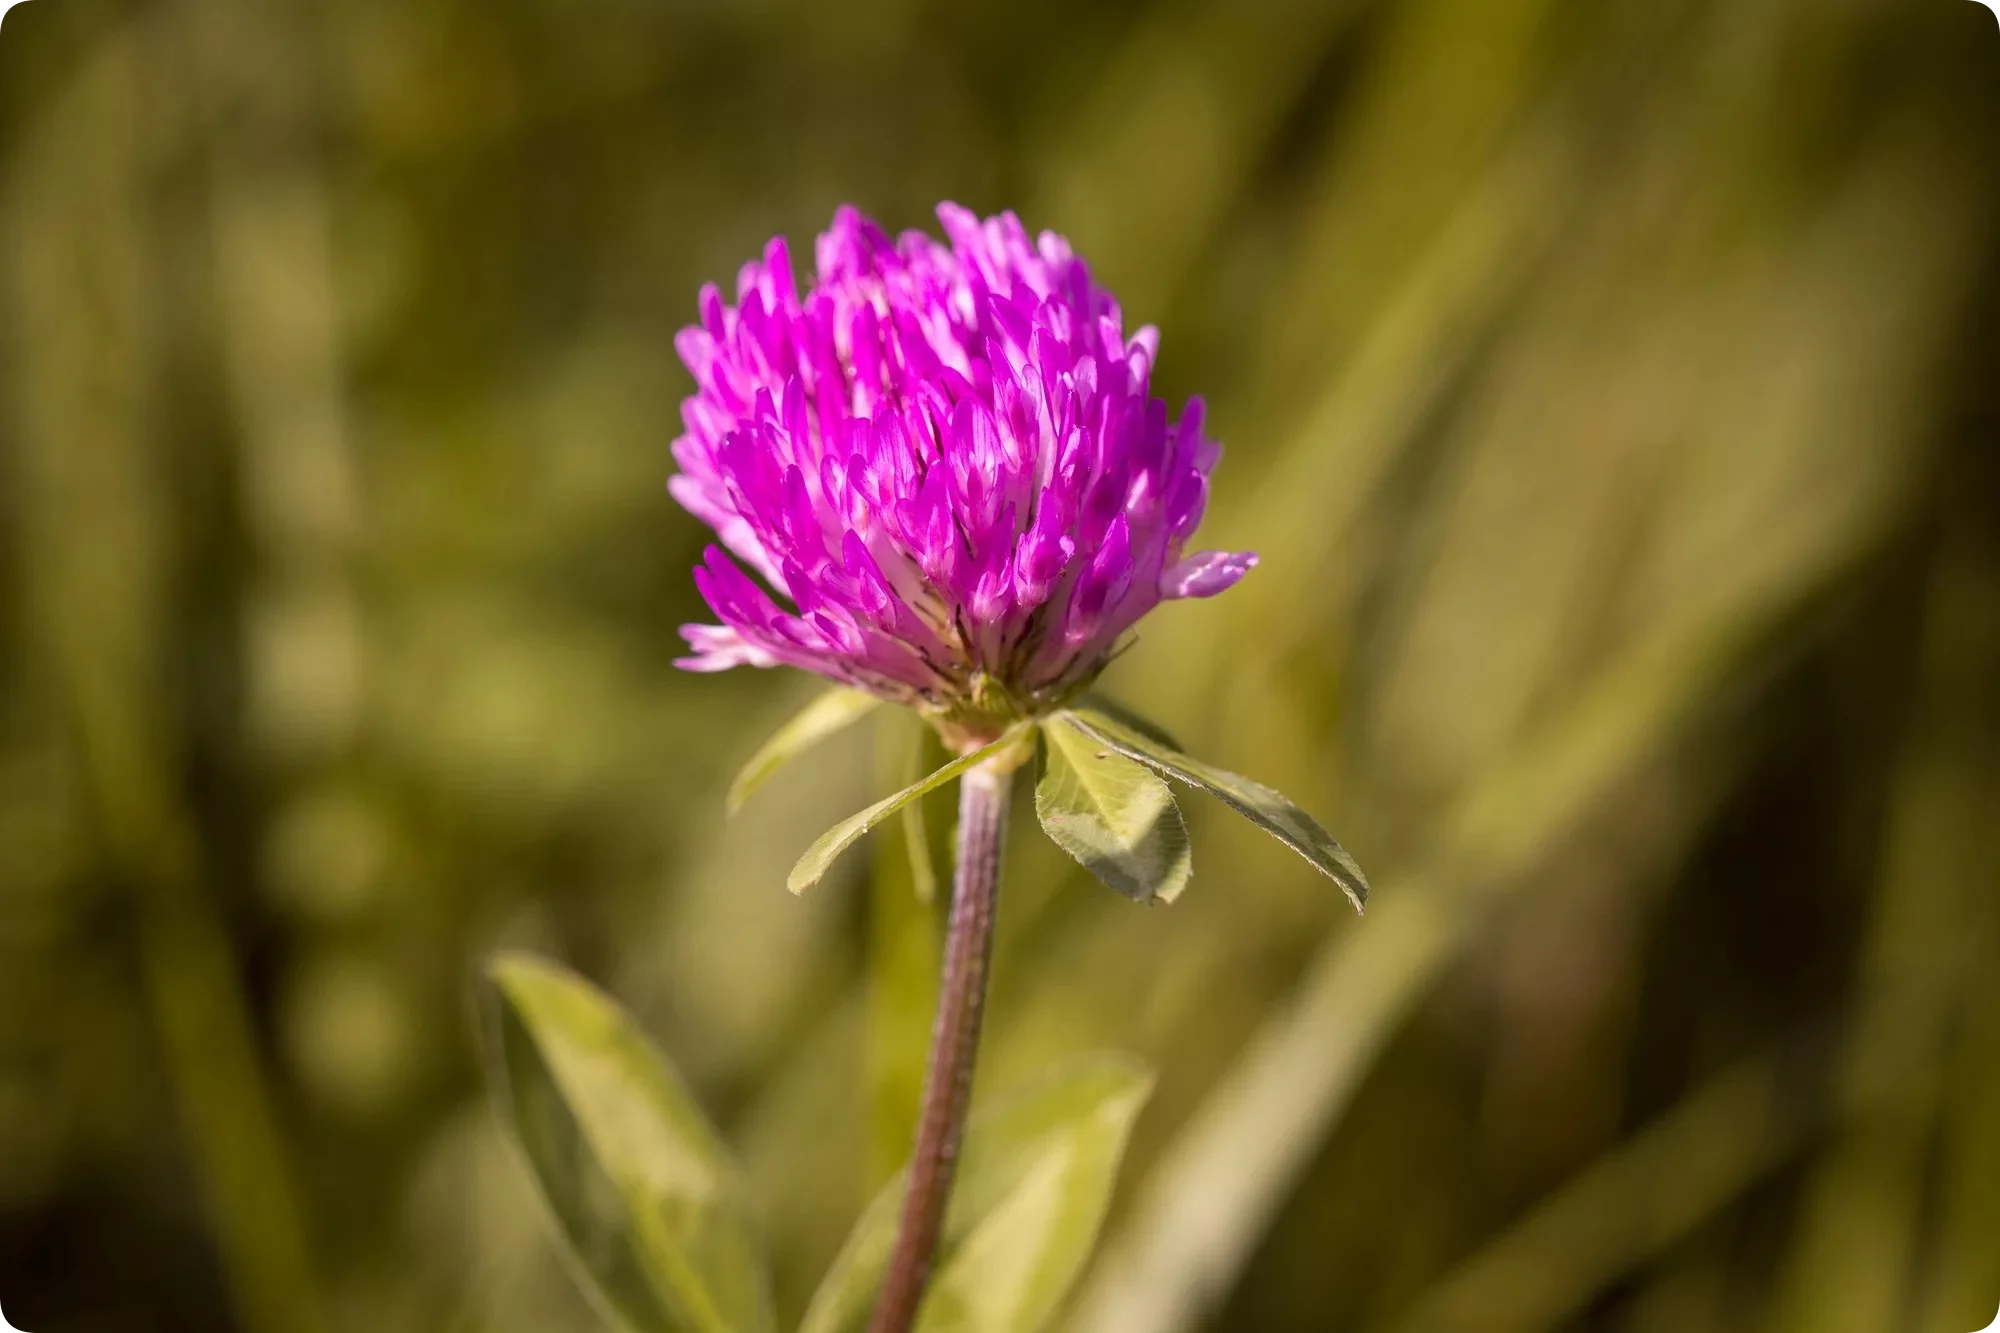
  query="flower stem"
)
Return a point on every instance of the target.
[{"x": 982, "y": 820}]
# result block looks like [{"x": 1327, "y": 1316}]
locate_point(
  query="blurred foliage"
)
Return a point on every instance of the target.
[{"x": 1609, "y": 388}]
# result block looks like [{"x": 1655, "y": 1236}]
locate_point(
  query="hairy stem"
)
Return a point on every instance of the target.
[{"x": 982, "y": 819}]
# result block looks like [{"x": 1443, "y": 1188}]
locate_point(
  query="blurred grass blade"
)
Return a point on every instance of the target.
[
  {"x": 903, "y": 954},
  {"x": 1264, "y": 807},
  {"x": 1113, "y": 815},
  {"x": 1033, "y": 1186},
  {"x": 829, "y": 713},
  {"x": 1211, "y": 1196},
  {"x": 643, "y": 1190},
  {"x": 916, "y": 828},
  {"x": 1623, "y": 1211},
  {"x": 843, "y": 835},
  {"x": 1863, "y": 1213}
]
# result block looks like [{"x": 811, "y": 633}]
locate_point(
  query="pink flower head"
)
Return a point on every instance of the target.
[{"x": 948, "y": 461}]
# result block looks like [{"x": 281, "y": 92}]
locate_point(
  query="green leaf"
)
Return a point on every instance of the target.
[
  {"x": 1253, "y": 800},
  {"x": 1112, "y": 815},
  {"x": 843, "y": 835},
  {"x": 1033, "y": 1184},
  {"x": 1117, "y": 712},
  {"x": 642, "y": 1190},
  {"x": 830, "y": 712}
]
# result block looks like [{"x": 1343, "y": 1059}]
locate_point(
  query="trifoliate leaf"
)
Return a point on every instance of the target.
[{"x": 1264, "y": 807}]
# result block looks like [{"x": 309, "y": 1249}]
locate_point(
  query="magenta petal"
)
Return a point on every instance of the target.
[
  {"x": 718, "y": 648},
  {"x": 1206, "y": 573},
  {"x": 947, "y": 456}
]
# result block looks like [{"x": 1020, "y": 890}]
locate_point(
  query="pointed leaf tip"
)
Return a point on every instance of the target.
[
  {"x": 831, "y": 712},
  {"x": 1268, "y": 809}
]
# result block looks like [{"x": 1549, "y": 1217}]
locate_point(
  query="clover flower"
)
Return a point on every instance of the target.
[{"x": 948, "y": 460}]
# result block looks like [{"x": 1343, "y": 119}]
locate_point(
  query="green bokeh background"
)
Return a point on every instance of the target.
[{"x": 1610, "y": 388}]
